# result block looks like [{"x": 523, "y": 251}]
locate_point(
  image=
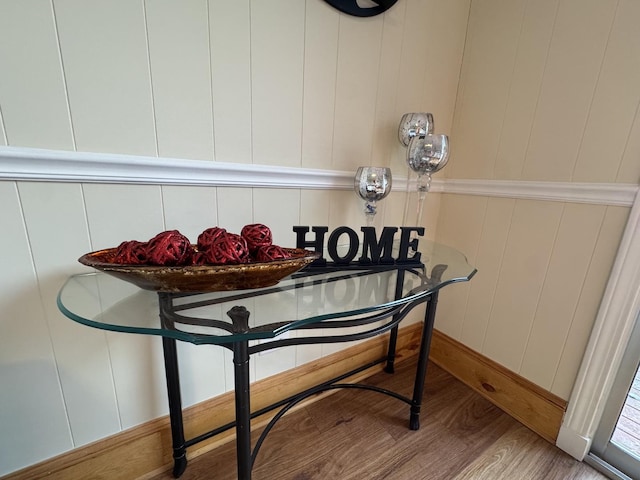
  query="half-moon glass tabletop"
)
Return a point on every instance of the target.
[{"x": 312, "y": 298}]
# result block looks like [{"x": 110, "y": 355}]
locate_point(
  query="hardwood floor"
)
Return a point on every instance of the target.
[{"x": 358, "y": 435}]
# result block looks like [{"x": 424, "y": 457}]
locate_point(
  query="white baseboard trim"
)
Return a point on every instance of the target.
[
  {"x": 573, "y": 443},
  {"x": 31, "y": 164}
]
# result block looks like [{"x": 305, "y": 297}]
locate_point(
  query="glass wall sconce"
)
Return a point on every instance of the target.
[
  {"x": 372, "y": 184},
  {"x": 426, "y": 154}
]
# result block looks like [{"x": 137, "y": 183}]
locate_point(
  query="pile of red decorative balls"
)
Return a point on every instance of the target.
[{"x": 215, "y": 246}]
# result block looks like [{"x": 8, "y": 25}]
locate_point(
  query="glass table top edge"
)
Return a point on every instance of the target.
[{"x": 66, "y": 306}]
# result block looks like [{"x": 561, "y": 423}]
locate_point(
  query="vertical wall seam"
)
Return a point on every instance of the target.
[
  {"x": 636, "y": 118},
  {"x": 584, "y": 281},
  {"x": 459, "y": 97},
  {"x": 148, "y": 48},
  {"x": 302, "y": 92},
  {"x": 162, "y": 207},
  {"x": 539, "y": 296},
  {"x": 493, "y": 296},
  {"x": 3, "y": 128},
  {"x": 45, "y": 316},
  {"x": 335, "y": 93},
  {"x": 104, "y": 333},
  {"x": 250, "y": 84},
  {"x": 475, "y": 256},
  {"x": 211, "y": 89},
  {"x": 64, "y": 77},
  {"x": 537, "y": 103},
  {"x": 377, "y": 96},
  {"x": 153, "y": 100},
  {"x": 407, "y": 193},
  {"x": 506, "y": 104},
  {"x": 399, "y": 67},
  {"x": 593, "y": 95}
]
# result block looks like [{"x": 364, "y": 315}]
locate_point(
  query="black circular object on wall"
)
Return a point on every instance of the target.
[{"x": 351, "y": 7}]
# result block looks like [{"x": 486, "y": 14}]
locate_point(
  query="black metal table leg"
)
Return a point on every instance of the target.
[
  {"x": 393, "y": 335},
  {"x": 423, "y": 358},
  {"x": 175, "y": 406},
  {"x": 240, "y": 318}
]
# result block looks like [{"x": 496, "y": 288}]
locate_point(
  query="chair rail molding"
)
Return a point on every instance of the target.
[
  {"x": 31, "y": 164},
  {"x": 612, "y": 329}
]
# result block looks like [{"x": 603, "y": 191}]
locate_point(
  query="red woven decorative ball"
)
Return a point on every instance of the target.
[
  {"x": 199, "y": 258},
  {"x": 169, "y": 248},
  {"x": 228, "y": 249},
  {"x": 257, "y": 235},
  {"x": 271, "y": 252},
  {"x": 131, "y": 252},
  {"x": 206, "y": 238}
]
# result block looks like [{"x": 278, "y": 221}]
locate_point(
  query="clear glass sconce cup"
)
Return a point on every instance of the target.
[
  {"x": 414, "y": 125},
  {"x": 426, "y": 155},
  {"x": 372, "y": 184}
]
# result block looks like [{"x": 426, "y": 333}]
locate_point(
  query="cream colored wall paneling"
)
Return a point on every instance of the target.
[
  {"x": 3, "y": 137},
  {"x": 524, "y": 268},
  {"x": 570, "y": 259},
  {"x": 615, "y": 101},
  {"x": 178, "y": 34},
  {"x": 412, "y": 67},
  {"x": 280, "y": 359},
  {"x": 82, "y": 353},
  {"x": 32, "y": 92},
  {"x": 320, "y": 63},
  {"x": 230, "y": 40},
  {"x": 629, "y": 171},
  {"x": 279, "y": 210},
  {"x": 235, "y": 208},
  {"x": 573, "y": 65},
  {"x": 277, "y": 60},
  {"x": 117, "y": 213},
  {"x": 314, "y": 210},
  {"x": 446, "y": 26},
  {"x": 460, "y": 226},
  {"x": 31, "y": 395},
  {"x": 591, "y": 293},
  {"x": 492, "y": 40},
  {"x": 356, "y": 90},
  {"x": 488, "y": 261},
  {"x": 104, "y": 52},
  {"x": 524, "y": 87},
  {"x": 191, "y": 210},
  {"x": 385, "y": 138}
]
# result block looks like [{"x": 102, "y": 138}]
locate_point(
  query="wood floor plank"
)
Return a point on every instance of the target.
[{"x": 358, "y": 434}]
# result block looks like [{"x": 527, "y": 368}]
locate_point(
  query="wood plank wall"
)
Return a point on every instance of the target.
[
  {"x": 279, "y": 82},
  {"x": 556, "y": 100},
  {"x": 548, "y": 91}
]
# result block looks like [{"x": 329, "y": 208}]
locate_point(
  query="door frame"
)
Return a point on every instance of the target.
[{"x": 612, "y": 329}]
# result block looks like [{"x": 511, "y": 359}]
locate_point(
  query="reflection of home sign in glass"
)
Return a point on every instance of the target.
[{"x": 375, "y": 251}]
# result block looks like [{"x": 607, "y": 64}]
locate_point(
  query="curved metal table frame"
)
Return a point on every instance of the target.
[{"x": 375, "y": 322}]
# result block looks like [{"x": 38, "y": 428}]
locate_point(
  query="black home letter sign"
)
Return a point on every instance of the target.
[{"x": 375, "y": 251}]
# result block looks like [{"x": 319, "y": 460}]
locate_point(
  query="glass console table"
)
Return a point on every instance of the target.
[{"x": 331, "y": 304}]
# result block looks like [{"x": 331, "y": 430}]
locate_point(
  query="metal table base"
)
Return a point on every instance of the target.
[{"x": 241, "y": 357}]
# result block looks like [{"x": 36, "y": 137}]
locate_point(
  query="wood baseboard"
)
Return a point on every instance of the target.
[
  {"x": 144, "y": 450},
  {"x": 534, "y": 407}
]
